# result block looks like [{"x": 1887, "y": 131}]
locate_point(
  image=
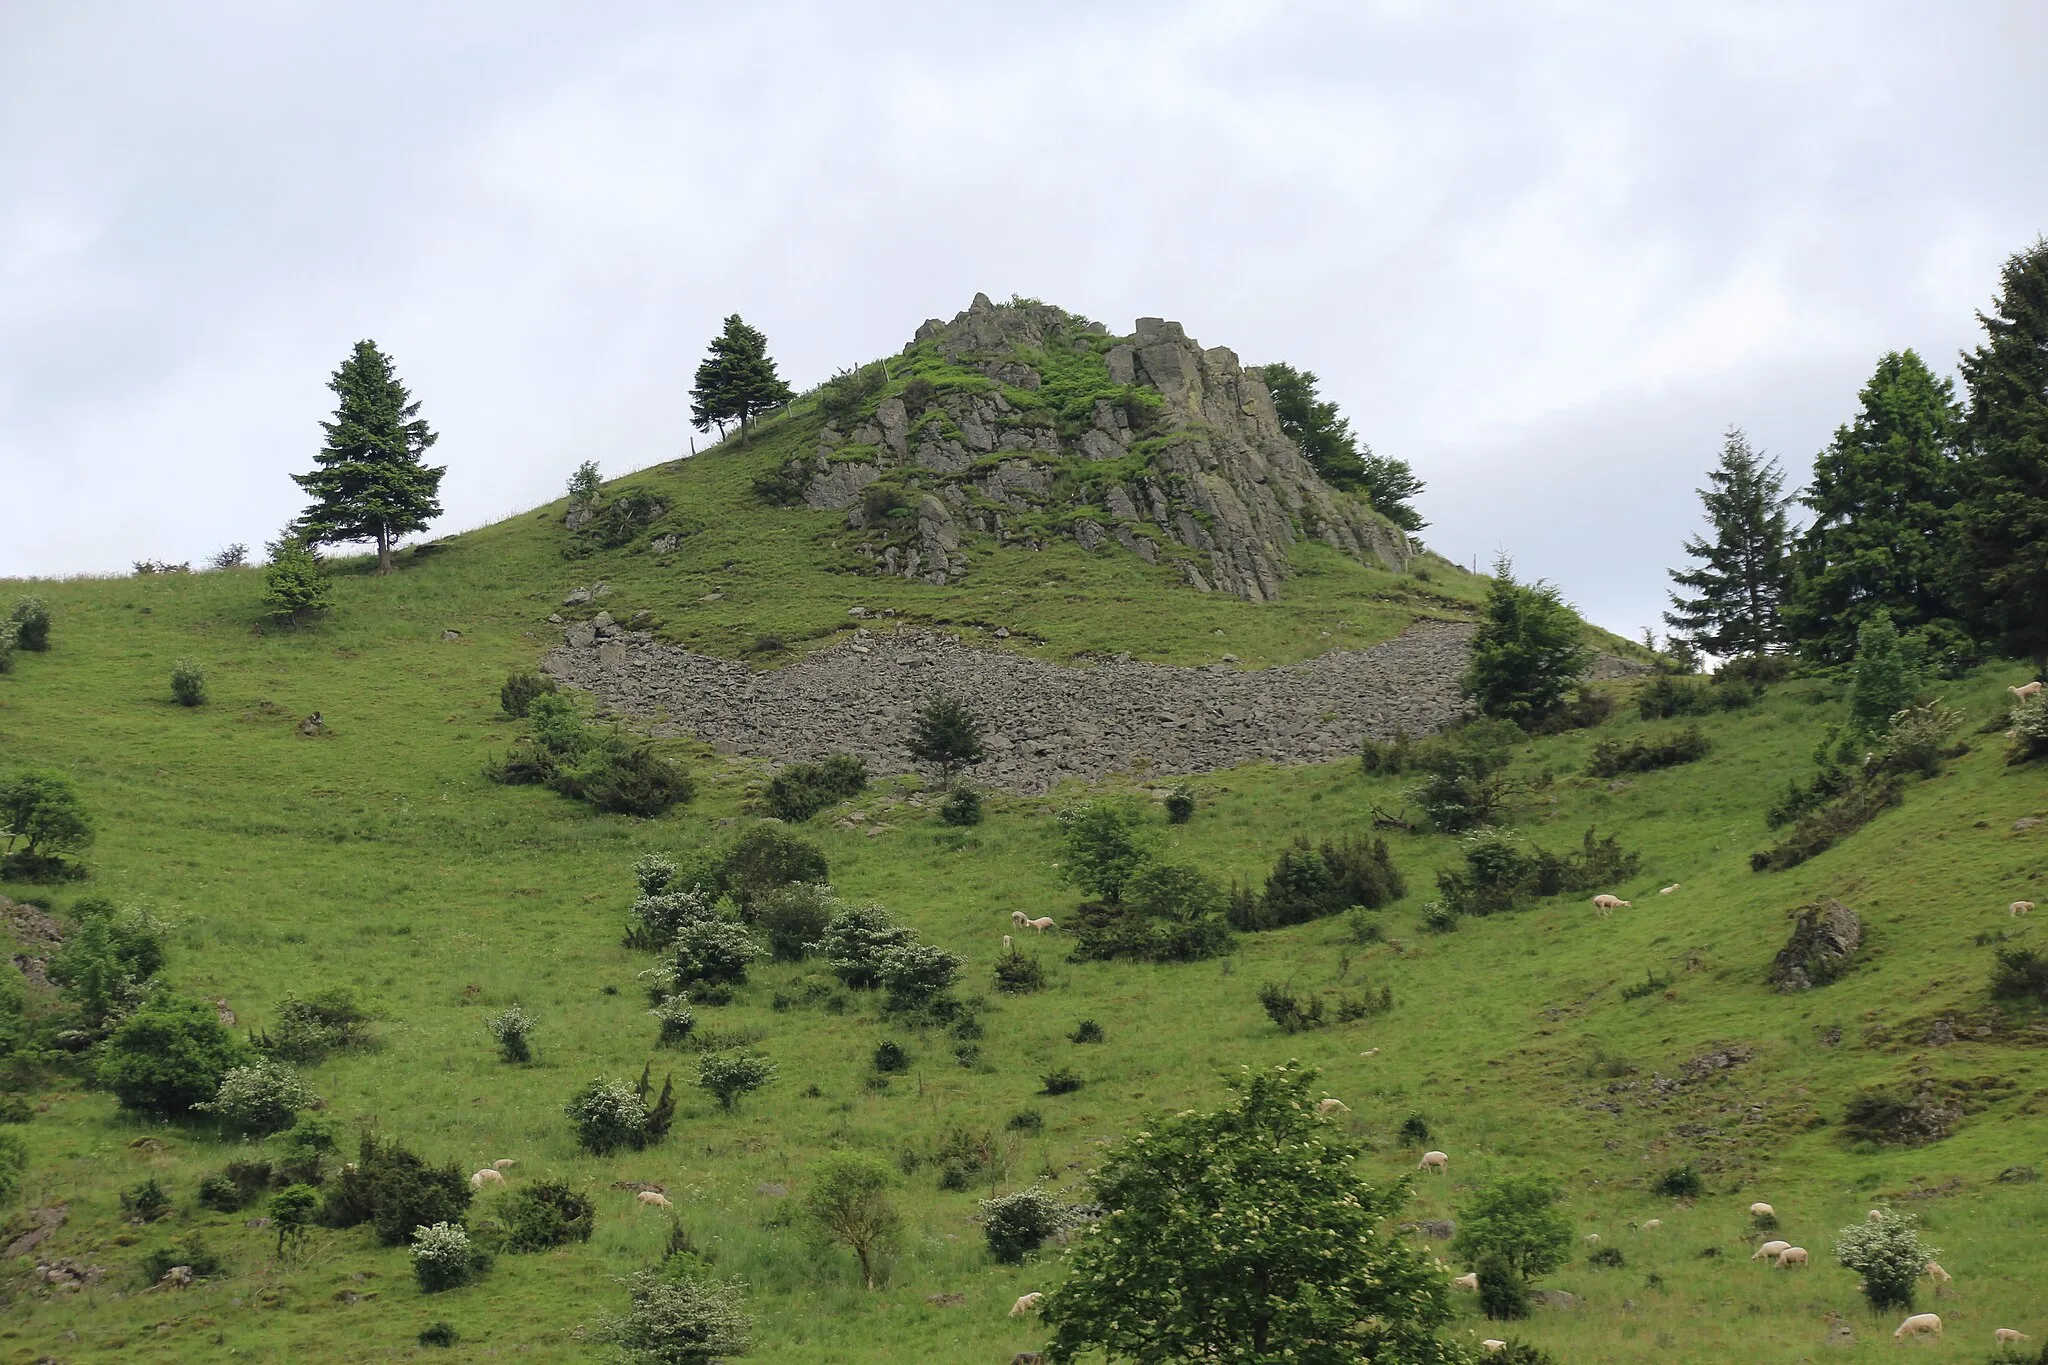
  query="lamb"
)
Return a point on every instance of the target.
[
  {"x": 2022, "y": 693},
  {"x": 1875, "y": 1216},
  {"x": 2021, "y": 907},
  {"x": 1332, "y": 1106},
  {"x": 1466, "y": 1282},
  {"x": 1920, "y": 1324},
  {"x": 1790, "y": 1257},
  {"x": 1492, "y": 1344},
  {"x": 1370, "y": 1052},
  {"x": 1006, "y": 943},
  {"x": 2006, "y": 1336},
  {"x": 1769, "y": 1250},
  {"x": 503, "y": 1163},
  {"x": 654, "y": 1199},
  {"x": 1669, "y": 889},
  {"x": 1041, "y": 924},
  {"x": 1019, "y": 918},
  {"x": 1762, "y": 1210},
  {"x": 1592, "y": 1239},
  {"x": 1938, "y": 1275},
  {"x": 1025, "y": 1304},
  {"x": 1607, "y": 904},
  {"x": 1653, "y": 1225},
  {"x": 1435, "y": 1161},
  {"x": 489, "y": 1175}
]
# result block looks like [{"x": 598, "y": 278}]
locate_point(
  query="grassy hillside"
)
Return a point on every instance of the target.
[{"x": 376, "y": 856}]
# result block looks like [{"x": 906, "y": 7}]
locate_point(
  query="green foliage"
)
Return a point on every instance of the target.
[
  {"x": 1017, "y": 1224},
  {"x": 856, "y": 942},
  {"x": 616, "y": 523},
  {"x": 1203, "y": 1205},
  {"x": 737, "y": 381},
  {"x": 946, "y": 736},
  {"x": 369, "y": 482},
  {"x": 1518, "y": 1220},
  {"x": 1061, "y": 1080},
  {"x": 915, "y": 975},
  {"x": 676, "y": 1018},
  {"x": 1291, "y": 1013},
  {"x": 1169, "y": 913},
  {"x": 241, "y": 1184},
  {"x": 1018, "y": 974},
  {"x": 1665, "y": 697},
  {"x": 41, "y": 819},
  {"x": 1743, "y": 572},
  {"x": 585, "y": 486},
  {"x": 1822, "y": 829},
  {"x": 1467, "y": 783},
  {"x": 1885, "y": 676},
  {"x": 394, "y": 1190},
  {"x": 307, "y": 1030},
  {"x": 794, "y": 917},
  {"x": 2022, "y": 975},
  {"x": 1501, "y": 873},
  {"x": 1503, "y": 1294},
  {"x": 1324, "y": 438},
  {"x": 30, "y": 622},
  {"x": 169, "y": 1057},
  {"x": 1607, "y": 1258},
  {"x": 1180, "y": 805},
  {"x": 545, "y": 1214},
  {"x": 522, "y": 687},
  {"x": 145, "y": 1203},
  {"x": 1646, "y": 753},
  {"x": 443, "y": 1257},
  {"x": 108, "y": 957},
  {"x": 962, "y": 806},
  {"x": 188, "y": 684},
  {"x": 292, "y": 1212},
  {"x": 711, "y": 952},
  {"x": 679, "y": 1320},
  {"x": 655, "y": 920},
  {"x": 608, "y": 1116},
  {"x": 1883, "y": 498},
  {"x": 1309, "y": 883},
  {"x": 848, "y": 1205},
  {"x": 2029, "y": 730},
  {"x": 1888, "y": 1253},
  {"x": 439, "y": 1334},
  {"x": 766, "y": 856},
  {"x": 261, "y": 1098},
  {"x": 513, "y": 1030},
  {"x": 295, "y": 586},
  {"x": 1102, "y": 846},
  {"x": 842, "y": 397},
  {"x": 801, "y": 790},
  {"x": 890, "y": 1059},
  {"x": 188, "y": 1250},
  {"x": 613, "y": 772},
  {"x": 1087, "y": 1031},
  {"x": 1680, "y": 1182},
  {"x": 13, "y": 1161},
  {"x": 1528, "y": 653},
  {"x": 725, "y": 1076}
]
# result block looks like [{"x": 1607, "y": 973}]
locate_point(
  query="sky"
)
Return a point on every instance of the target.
[{"x": 1545, "y": 252}]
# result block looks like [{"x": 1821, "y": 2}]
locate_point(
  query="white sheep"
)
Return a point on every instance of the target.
[
  {"x": 1653, "y": 1225},
  {"x": 1762, "y": 1210},
  {"x": 1592, "y": 1239},
  {"x": 1920, "y": 1324},
  {"x": 1370, "y": 1052},
  {"x": 1492, "y": 1344},
  {"x": 2006, "y": 1336},
  {"x": 1332, "y": 1106},
  {"x": 487, "y": 1176},
  {"x": 1669, "y": 889},
  {"x": 2022, "y": 693},
  {"x": 1435, "y": 1161},
  {"x": 2020, "y": 908},
  {"x": 1019, "y": 918},
  {"x": 1939, "y": 1276},
  {"x": 1874, "y": 1216},
  {"x": 654, "y": 1199},
  {"x": 1607, "y": 905},
  {"x": 1006, "y": 943},
  {"x": 1466, "y": 1282},
  {"x": 1769, "y": 1250},
  {"x": 1042, "y": 923},
  {"x": 503, "y": 1163},
  {"x": 1025, "y": 1304},
  {"x": 1790, "y": 1257}
]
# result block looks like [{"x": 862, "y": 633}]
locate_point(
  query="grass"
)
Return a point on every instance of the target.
[{"x": 377, "y": 856}]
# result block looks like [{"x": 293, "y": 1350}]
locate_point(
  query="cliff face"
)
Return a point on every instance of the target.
[{"x": 1023, "y": 423}]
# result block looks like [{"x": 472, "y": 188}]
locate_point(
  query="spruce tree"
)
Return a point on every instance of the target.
[
  {"x": 2002, "y": 570},
  {"x": 1742, "y": 577},
  {"x": 1883, "y": 498},
  {"x": 1529, "y": 651},
  {"x": 737, "y": 381},
  {"x": 370, "y": 483},
  {"x": 1325, "y": 440}
]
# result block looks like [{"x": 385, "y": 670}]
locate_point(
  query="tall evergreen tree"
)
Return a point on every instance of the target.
[
  {"x": 1325, "y": 439},
  {"x": 1883, "y": 499},
  {"x": 370, "y": 483},
  {"x": 1742, "y": 577},
  {"x": 737, "y": 381},
  {"x": 2002, "y": 570}
]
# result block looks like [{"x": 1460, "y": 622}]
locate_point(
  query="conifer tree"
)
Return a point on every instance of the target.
[
  {"x": 1741, "y": 579},
  {"x": 737, "y": 381},
  {"x": 1883, "y": 498},
  {"x": 1325, "y": 439},
  {"x": 2002, "y": 571},
  {"x": 370, "y": 483}
]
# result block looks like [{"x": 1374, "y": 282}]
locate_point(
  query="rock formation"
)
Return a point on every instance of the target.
[
  {"x": 1041, "y": 424},
  {"x": 1825, "y": 936}
]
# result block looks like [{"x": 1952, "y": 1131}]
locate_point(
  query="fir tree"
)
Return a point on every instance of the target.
[
  {"x": 1742, "y": 577},
  {"x": 1325, "y": 440},
  {"x": 1883, "y": 498},
  {"x": 1528, "y": 653},
  {"x": 945, "y": 735},
  {"x": 370, "y": 483},
  {"x": 737, "y": 381},
  {"x": 2002, "y": 571}
]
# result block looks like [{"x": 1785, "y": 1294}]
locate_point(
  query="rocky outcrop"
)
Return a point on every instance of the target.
[
  {"x": 1206, "y": 479},
  {"x": 1825, "y": 937},
  {"x": 1042, "y": 722}
]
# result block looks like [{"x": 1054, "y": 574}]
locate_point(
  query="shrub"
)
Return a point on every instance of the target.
[
  {"x": 890, "y": 1059},
  {"x": 291, "y": 1212},
  {"x": 262, "y": 1098},
  {"x": 1015, "y": 1225},
  {"x": 1102, "y": 847},
  {"x": 857, "y": 940},
  {"x": 962, "y": 806},
  {"x": 1026, "y": 1121},
  {"x": 1503, "y": 1294},
  {"x": 1017, "y": 974},
  {"x": 2029, "y": 730},
  {"x": 656, "y": 918},
  {"x": 916, "y": 974},
  {"x": 1587, "y": 708},
  {"x": 1467, "y": 782},
  {"x": 107, "y": 958},
  {"x": 188, "y": 684},
  {"x": 1898, "y": 1116},
  {"x": 945, "y": 736},
  {"x": 726, "y": 1076},
  {"x": 190, "y": 1251},
  {"x": 520, "y": 689},
  {"x": 963, "y": 1155},
  {"x": 1180, "y": 805},
  {"x": 1916, "y": 740},
  {"x": 1888, "y": 1254},
  {"x": 1293, "y": 1015},
  {"x": 1521, "y": 1353},
  {"x": 1059, "y": 1081},
  {"x": 784, "y": 485},
  {"x": 608, "y": 1115},
  {"x": 1167, "y": 914},
  {"x": 1311, "y": 883},
  {"x": 1439, "y": 918},
  {"x": 6, "y": 649},
  {"x": 1651, "y": 984},
  {"x": 1087, "y": 1031},
  {"x": 234, "y": 555},
  {"x": 629, "y": 779},
  {"x": 676, "y": 1018},
  {"x": 1517, "y": 1221},
  {"x": 794, "y": 917},
  {"x": 1666, "y": 697},
  {"x": 713, "y": 952},
  {"x": 1820, "y": 830},
  {"x": 1415, "y": 1131},
  {"x": 653, "y": 872},
  {"x": 169, "y": 1057},
  {"x": 1528, "y": 652},
  {"x": 294, "y": 585},
  {"x": 801, "y": 790},
  {"x": 238, "y": 1186},
  {"x": 679, "y": 1320},
  {"x": 309, "y": 1029},
  {"x": 1501, "y": 874},
  {"x": 443, "y": 1257},
  {"x": 1386, "y": 759},
  {"x": 394, "y": 1190},
  {"x": 513, "y": 1030},
  {"x": 1351, "y": 1008},
  {"x": 31, "y": 621},
  {"x": 145, "y": 1203},
  {"x": 1884, "y": 675},
  {"x": 764, "y": 857},
  {"x": 2021, "y": 974},
  {"x": 1645, "y": 754},
  {"x": 439, "y": 1334},
  {"x": 41, "y": 813},
  {"x": 842, "y": 396},
  {"x": 1607, "y": 1258},
  {"x": 545, "y": 1214}
]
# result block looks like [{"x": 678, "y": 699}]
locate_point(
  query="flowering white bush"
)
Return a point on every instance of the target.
[
  {"x": 654, "y": 872},
  {"x": 1888, "y": 1254},
  {"x": 608, "y": 1115},
  {"x": 676, "y": 1019},
  {"x": 512, "y": 1029},
  {"x": 263, "y": 1098},
  {"x": 442, "y": 1256}
]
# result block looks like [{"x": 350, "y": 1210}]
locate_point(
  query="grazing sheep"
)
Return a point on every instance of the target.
[
  {"x": 1762, "y": 1210},
  {"x": 1042, "y": 924},
  {"x": 1592, "y": 1239},
  {"x": 2021, "y": 907},
  {"x": 1492, "y": 1344},
  {"x": 1790, "y": 1257},
  {"x": 1332, "y": 1106},
  {"x": 1435, "y": 1161},
  {"x": 1769, "y": 1250},
  {"x": 1920, "y": 1324},
  {"x": 1653, "y": 1225},
  {"x": 654, "y": 1199},
  {"x": 1669, "y": 889},
  {"x": 1467, "y": 1282},
  {"x": 487, "y": 1176},
  {"x": 1606, "y": 905},
  {"x": 1370, "y": 1052},
  {"x": 2006, "y": 1336},
  {"x": 2022, "y": 693},
  {"x": 503, "y": 1163},
  {"x": 1938, "y": 1275},
  {"x": 1025, "y": 1304},
  {"x": 1019, "y": 918},
  {"x": 1874, "y": 1216},
  {"x": 1006, "y": 943}
]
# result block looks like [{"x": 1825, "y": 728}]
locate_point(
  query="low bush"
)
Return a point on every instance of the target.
[
  {"x": 1917, "y": 740},
  {"x": 107, "y": 958},
  {"x": 653, "y": 873},
  {"x": 1607, "y": 1258},
  {"x": 237, "y": 1186},
  {"x": 443, "y": 1257},
  {"x": 1026, "y": 1121},
  {"x": 188, "y": 684},
  {"x": 1180, "y": 805},
  {"x": 169, "y": 1057},
  {"x": 657, "y": 917},
  {"x": 801, "y": 790},
  {"x": 394, "y": 1190},
  {"x": 965, "y": 1155},
  {"x": 1646, "y": 753},
  {"x": 1087, "y": 1031},
  {"x": 2028, "y": 730},
  {"x": 766, "y": 856},
  {"x": 1897, "y": 1115},
  {"x": 962, "y": 806},
  {"x": 520, "y": 690},
  {"x": 2021, "y": 974},
  {"x": 676, "y": 1018},
  {"x": 1167, "y": 913},
  {"x": 307, "y": 1147},
  {"x": 31, "y": 621},
  {"x": 145, "y": 1203},
  {"x": 1389, "y": 758},
  {"x": 1366, "y": 1004},
  {"x": 1018, "y": 974},
  {"x": 794, "y": 917},
  {"x": 890, "y": 1059},
  {"x": 1680, "y": 1182},
  {"x": 188, "y": 1250},
  {"x": 1309, "y": 883},
  {"x": 546, "y": 1214},
  {"x": 1667, "y": 697},
  {"x": 1890, "y": 1256},
  {"x": 439, "y": 1334},
  {"x": 916, "y": 975},
  {"x": 1467, "y": 782},
  {"x": 1059, "y": 1081},
  {"x": 784, "y": 485},
  {"x": 1503, "y": 1294},
  {"x": 1439, "y": 918},
  {"x": 1520, "y": 1353},
  {"x": 1501, "y": 874},
  {"x": 856, "y": 941},
  {"x": 513, "y": 1030},
  {"x": 1015, "y": 1225},
  {"x": 1822, "y": 829},
  {"x": 262, "y": 1098},
  {"x": 1292, "y": 1014},
  {"x": 1651, "y": 984},
  {"x": 608, "y": 1116},
  {"x": 307, "y": 1030},
  {"x": 726, "y": 1076},
  {"x": 1415, "y": 1131},
  {"x": 680, "y": 1319},
  {"x": 712, "y": 952}
]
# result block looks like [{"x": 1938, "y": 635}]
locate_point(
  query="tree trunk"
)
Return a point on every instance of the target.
[
  {"x": 383, "y": 549},
  {"x": 867, "y": 1270}
]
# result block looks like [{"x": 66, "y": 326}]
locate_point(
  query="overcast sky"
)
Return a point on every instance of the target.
[{"x": 1544, "y": 252}]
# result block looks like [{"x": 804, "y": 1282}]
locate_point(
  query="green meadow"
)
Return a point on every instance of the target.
[{"x": 377, "y": 856}]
